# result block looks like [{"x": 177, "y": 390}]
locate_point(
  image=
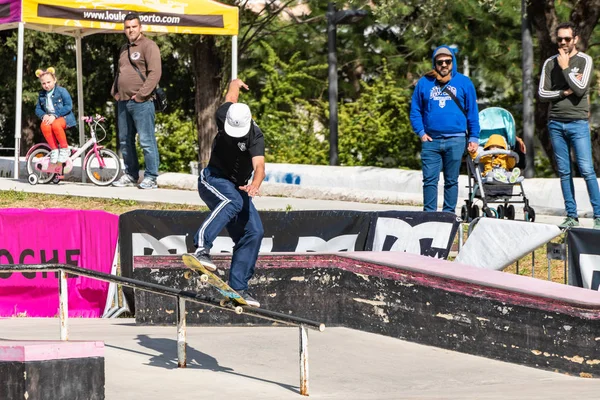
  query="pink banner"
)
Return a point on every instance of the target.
[
  {"x": 10, "y": 11},
  {"x": 82, "y": 238}
]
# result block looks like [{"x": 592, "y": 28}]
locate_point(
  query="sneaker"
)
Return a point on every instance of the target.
[
  {"x": 569, "y": 222},
  {"x": 500, "y": 176},
  {"x": 63, "y": 155},
  {"x": 596, "y": 223},
  {"x": 148, "y": 183},
  {"x": 126, "y": 180},
  {"x": 203, "y": 258},
  {"x": 514, "y": 175},
  {"x": 54, "y": 156},
  {"x": 249, "y": 299}
]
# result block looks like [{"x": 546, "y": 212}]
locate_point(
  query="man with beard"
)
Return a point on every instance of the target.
[
  {"x": 565, "y": 83},
  {"x": 444, "y": 114}
]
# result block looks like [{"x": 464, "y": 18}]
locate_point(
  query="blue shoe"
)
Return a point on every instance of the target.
[{"x": 148, "y": 183}]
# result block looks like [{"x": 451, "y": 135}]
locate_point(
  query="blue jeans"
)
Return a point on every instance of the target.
[
  {"x": 575, "y": 134},
  {"x": 231, "y": 208},
  {"x": 137, "y": 118},
  {"x": 442, "y": 155}
]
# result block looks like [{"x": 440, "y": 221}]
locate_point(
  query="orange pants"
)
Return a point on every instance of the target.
[{"x": 56, "y": 129}]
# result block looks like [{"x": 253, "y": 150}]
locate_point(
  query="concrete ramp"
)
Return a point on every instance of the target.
[{"x": 424, "y": 300}]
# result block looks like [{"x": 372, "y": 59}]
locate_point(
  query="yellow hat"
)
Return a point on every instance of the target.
[{"x": 496, "y": 140}]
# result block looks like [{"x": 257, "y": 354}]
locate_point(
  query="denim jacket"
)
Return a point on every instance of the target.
[{"x": 63, "y": 105}]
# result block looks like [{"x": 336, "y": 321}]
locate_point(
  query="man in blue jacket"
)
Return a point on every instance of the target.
[{"x": 444, "y": 114}]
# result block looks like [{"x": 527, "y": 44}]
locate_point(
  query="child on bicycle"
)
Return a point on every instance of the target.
[{"x": 55, "y": 109}]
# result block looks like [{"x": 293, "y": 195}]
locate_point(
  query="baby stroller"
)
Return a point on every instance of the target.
[{"x": 494, "y": 120}]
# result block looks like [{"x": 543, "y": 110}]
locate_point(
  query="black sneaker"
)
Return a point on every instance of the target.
[
  {"x": 249, "y": 299},
  {"x": 204, "y": 258}
]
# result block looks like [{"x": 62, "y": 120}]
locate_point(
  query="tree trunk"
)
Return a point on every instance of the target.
[
  {"x": 544, "y": 19},
  {"x": 208, "y": 73}
]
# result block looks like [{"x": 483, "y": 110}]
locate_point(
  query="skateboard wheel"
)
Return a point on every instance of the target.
[
  {"x": 204, "y": 278},
  {"x": 238, "y": 310},
  {"x": 187, "y": 274},
  {"x": 223, "y": 302}
]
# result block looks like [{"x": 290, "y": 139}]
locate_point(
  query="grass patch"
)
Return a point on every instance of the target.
[{"x": 20, "y": 199}]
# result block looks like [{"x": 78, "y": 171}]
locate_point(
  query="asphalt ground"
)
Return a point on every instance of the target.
[{"x": 262, "y": 362}]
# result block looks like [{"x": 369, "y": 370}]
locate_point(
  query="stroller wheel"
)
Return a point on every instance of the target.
[
  {"x": 474, "y": 212},
  {"x": 501, "y": 211},
  {"x": 490, "y": 212},
  {"x": 529, "y": 214},
  {"x": 510, "y": 212},
  {"x": 464, "y": 213}
]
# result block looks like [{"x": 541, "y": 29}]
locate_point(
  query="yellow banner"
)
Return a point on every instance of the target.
[{"x": 161, "y": 16}]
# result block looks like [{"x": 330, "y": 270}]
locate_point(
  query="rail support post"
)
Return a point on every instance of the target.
[
  {"x": 63, "y": 305},
  {"x": 181, "y": 333},
  {"x": 303, "y": 360}
]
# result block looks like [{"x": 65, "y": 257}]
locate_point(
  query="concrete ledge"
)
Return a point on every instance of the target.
[{"x": 425, "y": 300}]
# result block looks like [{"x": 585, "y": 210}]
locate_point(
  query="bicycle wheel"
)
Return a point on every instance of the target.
[
  {"x": 103, "y": 176},
  {"x": 34, "y": 158}
]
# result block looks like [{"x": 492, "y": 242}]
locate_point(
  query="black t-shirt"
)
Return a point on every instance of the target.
[{"x": 233, "y": 156}]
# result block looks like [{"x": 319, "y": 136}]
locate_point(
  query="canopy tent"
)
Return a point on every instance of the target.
[{"x": 79, "y": 18}]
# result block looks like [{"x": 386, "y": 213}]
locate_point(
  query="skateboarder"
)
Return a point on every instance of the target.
[{"x": 238, "y": 152}]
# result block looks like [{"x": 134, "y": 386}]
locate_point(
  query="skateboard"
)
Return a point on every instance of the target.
[{"x": 231, "y": 297}]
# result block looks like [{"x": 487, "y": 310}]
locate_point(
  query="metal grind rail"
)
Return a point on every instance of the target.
[{"x": 182, "y": 296}]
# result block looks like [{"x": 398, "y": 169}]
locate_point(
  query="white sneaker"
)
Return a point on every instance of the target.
[
  {"x": 63, "y": 155},
  {"x": 54, "y": 156}
]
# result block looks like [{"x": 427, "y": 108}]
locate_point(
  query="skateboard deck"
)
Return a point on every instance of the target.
[{"x": 212, "y": 279}]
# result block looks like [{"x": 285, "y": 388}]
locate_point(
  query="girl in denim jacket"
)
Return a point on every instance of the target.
[{"x": 55, "y": 109}]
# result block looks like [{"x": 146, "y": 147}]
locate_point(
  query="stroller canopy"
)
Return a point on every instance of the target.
[{"x": 496, "y": 120}]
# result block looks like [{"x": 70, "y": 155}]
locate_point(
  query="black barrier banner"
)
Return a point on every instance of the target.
[
  {"x": 144, "y": 232},
  {"x": 426, "y": 233},
  {"x": 584, "y": 257}
]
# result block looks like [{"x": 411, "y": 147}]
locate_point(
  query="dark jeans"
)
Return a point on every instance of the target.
[
  {"x": 575, "y": 134},
  {"x": 231, "y": 208},
  {"x": 442, "y": 155},
  {"x": 138, "y": 118}
]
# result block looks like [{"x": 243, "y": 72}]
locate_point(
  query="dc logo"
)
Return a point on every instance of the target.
[
  {"x": 135, "y": 56},
  {"x": 242, "y": 146}
]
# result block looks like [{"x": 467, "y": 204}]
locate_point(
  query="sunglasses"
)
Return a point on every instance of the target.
[
  {"x": 439, "y": 63},
  {"x": 565, "y": 39}
]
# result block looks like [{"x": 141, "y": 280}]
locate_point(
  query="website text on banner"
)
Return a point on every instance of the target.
[{"x": 86, "y": 239}]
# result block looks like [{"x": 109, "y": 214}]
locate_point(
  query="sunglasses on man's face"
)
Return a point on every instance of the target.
[
  {"x": 565, "y": 39},
  {"x": 447, "y": 61}
]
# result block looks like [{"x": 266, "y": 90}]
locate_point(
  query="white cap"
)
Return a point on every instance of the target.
[{"x": 238, "y": 121}]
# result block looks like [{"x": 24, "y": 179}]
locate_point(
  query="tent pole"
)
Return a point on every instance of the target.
[
  {"x": 234, "y": 57},
  {"x": 19, "y": 98},
  {"x": 80, "y": 113}
]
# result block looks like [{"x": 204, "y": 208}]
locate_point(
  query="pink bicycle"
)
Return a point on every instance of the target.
[{"x": 102, "y": 166}]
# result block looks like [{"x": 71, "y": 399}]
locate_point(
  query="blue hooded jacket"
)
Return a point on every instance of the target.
[{"x": 434, "y": 112}]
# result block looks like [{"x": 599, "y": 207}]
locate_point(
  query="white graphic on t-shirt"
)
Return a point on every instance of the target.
[
  {"x": 135, "y": 55},
  {"x": 242, "y": 146},
  {"x": 437, "y": 95}
]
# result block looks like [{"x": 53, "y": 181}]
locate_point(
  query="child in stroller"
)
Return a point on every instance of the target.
[
  {"x": 498, "y": 161},
  {"x": 494, "y": 171}
]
